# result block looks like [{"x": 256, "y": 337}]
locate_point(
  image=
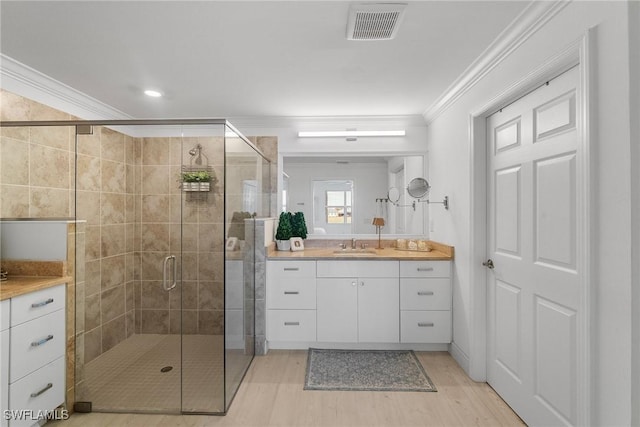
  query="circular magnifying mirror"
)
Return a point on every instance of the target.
[
  {"x": 393, "y": 195},
  {"x": 418, "y": 187}
]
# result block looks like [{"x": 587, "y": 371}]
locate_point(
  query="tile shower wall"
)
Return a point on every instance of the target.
[{"x": 160, "y": 209}]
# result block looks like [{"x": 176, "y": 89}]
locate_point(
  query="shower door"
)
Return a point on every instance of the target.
[{"x": 151, "y": 306}]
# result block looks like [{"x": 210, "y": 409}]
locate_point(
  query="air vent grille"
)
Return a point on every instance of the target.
[{"x": 374, "y": 21}]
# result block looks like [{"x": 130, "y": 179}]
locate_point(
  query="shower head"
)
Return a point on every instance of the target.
[{"x": 193, "y": 151}]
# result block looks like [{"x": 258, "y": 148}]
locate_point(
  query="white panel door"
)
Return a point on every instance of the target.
[{"x": 534, "y": 289}]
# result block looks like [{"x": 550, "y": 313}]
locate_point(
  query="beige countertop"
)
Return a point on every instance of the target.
[
  {"x": 439, "y": 252},
  {"x": 20, "y": 285}
]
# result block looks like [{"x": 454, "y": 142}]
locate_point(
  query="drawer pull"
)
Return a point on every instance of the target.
[
  {"x": 38, "y": 393},
  {"x": 291, "y": 323},
  {"x": 291, "y": 292},
  {"x": 425, "y": 268},
  {"x": 291, "y": 269},
  {"x": 42, "y": 341},
  {"x": 422, "y": 293},
  {"x": 425, "y": 324},
  {"x": 41, "y": 304}
]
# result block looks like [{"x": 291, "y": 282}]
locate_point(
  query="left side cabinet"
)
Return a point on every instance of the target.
[
  {"x": 5, "y": 320},
  {"x": 37, "y": 343}
]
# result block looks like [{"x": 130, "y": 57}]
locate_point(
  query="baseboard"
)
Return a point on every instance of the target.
[
  {"x": 459, "y": 356},
  {"x": 276, "y": 345}
]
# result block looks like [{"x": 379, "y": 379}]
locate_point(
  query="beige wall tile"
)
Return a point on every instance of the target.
[
  {"x": 14, "y": 164},
  {"x": 60, "y": 137},
  {"x": 93, "y": 243},
  {"x": 112, "y": 145},
  {"x": 88, "y": 207},
  {"x": 210, "y": 322},
  {"x": 49, "y": 202},
  {"x": 155, "y": 208},
  {"x": 92, "y": 344},
  {"x": 113, "y": 240},
  {"x": 112, "y": 208},
  {"x": 154, "y": 296},
  {"x": 14, "y": 107},
  {"x": 112, "y": 303},
  {"x": 155, "y": 237},
  {"x": 92, "y": 280},
  {"x": 92, "y": 311},
  {"x": 155, "y": 151},
  {"x": 113, "y": 176},
  {"x": 210, "y": 266},
  {"x": 154, "y": 321},
  {"x": 112, "y": 272},
  {"x": 14, "y": 201},
  {"x": 155, "y": 179},
  {"x": 210, "y": 295},
  {"x": 113, "y": 333},
  {"x": 50, "y": 167},
  {"x": 152, "y": 265},
  {"x": 90, "y": 144}
]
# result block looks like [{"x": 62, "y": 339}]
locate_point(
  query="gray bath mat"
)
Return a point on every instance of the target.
[{"x": 371, "y": 370}]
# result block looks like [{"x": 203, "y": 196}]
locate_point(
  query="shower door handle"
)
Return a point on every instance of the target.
[{"x": 164, "y": 273}]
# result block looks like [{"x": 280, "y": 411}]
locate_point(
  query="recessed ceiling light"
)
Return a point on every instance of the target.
[
  {"x": 152, "y": 93},
  {"x": 350, "y": 133}
]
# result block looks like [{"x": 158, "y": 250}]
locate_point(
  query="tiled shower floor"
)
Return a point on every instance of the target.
[{"x": 128, "y": 378}]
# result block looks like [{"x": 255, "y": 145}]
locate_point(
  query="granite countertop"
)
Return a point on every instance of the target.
[
  {"x": 28, "y": 276},
  {"x": 439, "y": 252},
  {"x": 20, "y": 285}
]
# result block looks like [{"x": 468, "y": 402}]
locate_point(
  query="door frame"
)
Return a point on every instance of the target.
[{"x": 580, "y": 53}]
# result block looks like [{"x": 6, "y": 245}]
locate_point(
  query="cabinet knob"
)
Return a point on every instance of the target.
[
  {"x": 422, "y": 293},
  {"x": 425, "y": 324}
]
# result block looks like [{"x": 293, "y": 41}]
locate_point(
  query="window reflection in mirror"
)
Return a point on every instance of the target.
[{"x": 332, "y": 206}]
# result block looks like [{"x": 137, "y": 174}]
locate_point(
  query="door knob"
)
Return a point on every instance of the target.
[{"x": 489, "y": 264}]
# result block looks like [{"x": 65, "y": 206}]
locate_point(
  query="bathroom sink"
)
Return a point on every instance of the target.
[{"x": 355, "y": 252}]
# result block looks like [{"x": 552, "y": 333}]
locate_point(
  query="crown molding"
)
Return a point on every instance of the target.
[
  {"x": 23, "y": 80},
  {"x": 534, "y": 17}
]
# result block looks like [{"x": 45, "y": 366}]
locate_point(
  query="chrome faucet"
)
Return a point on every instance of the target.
[{"x": 353, "y": 243}]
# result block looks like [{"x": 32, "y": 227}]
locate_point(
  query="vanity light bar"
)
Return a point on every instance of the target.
[{"x": 350, "y": 133}]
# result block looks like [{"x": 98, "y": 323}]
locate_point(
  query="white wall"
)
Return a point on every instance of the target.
[{"x": 449, "y": 164}]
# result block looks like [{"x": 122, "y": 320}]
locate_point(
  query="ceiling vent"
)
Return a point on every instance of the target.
[{"x": 374, "y": 21}]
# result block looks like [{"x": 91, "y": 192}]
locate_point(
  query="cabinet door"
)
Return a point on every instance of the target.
[
  {"x": 337, "y": 310},
  {"x": 4, "y": 375},
  {"x": 378, "y": 310}
]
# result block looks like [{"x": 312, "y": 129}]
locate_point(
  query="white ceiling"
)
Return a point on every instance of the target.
[{"x": 249, "y": 59}]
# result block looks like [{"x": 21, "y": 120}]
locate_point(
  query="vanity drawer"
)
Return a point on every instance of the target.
[
  {"x": 292, "y": 293},
  {"x": 291, "y": 325},
  {"x": 283, "y": 269},
  {"x": 36, "y": 343},
  {"x": 35, "y": 304},
  {"x": 425, "y": 326},
  {"x": 425, "y": 294},
  {"x": 359, "y": 269},
  {"x": 5, "y": 310},
  {"x": 425, "y": 268},
  {"x": 42, "y": 389}
]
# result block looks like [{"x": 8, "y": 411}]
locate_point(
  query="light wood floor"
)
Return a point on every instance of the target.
[{"x": 272, "y": 395}]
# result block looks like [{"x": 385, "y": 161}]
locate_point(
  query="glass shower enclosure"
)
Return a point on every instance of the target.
[{"x": 165, "y": 216}]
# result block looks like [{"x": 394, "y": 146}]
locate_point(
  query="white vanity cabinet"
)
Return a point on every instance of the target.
[
  {"x": 357, "y": 301},
  {"x": 37, "y": 344},
  {"x": 425, "y": 301},
  {"x": 4, "y": 359},
  {"x": 291, "y": 301}
]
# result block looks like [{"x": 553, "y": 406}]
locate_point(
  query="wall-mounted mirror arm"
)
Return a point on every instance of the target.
[
  {"x": 419, "y": 188},
  {"x": 444, "y": 202}
]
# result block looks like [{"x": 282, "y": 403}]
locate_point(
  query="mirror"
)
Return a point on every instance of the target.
[
  {"x": 418, "y": 188},
  {"x": 393, "y": 195},
  {"x": 341, "y": 195}
]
